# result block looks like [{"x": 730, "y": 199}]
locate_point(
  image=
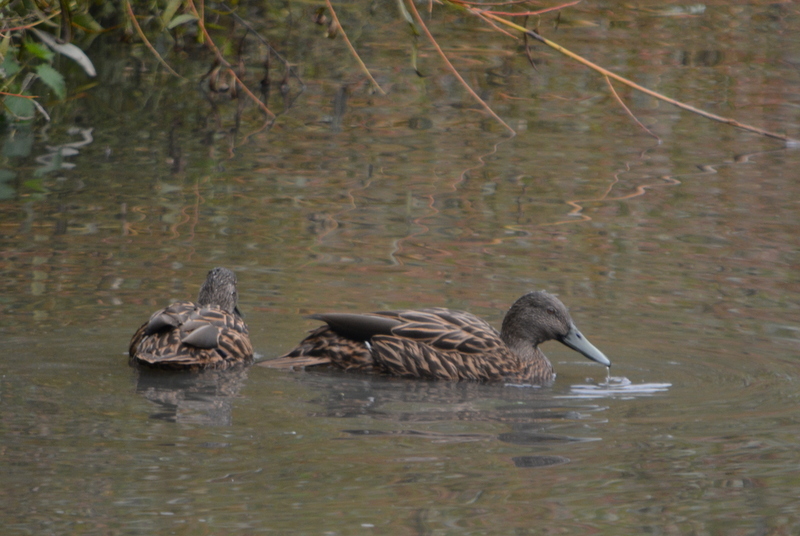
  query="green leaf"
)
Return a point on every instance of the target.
[
  {"x": 85, "y": 20},
  {"x": 53, "y": 79},
  {"x": 10, "y": 66},
  {"x": 405, "y": 14},
  {"x": 20, "y": 109},
  {"x": 5, "y": 44},
  {"x": 35, "y": 185},
  {"x": 181, "y": 19},
  {"x": 6, "y": 191},
  {"x": 38, "y": 50},
  {"x": 169, "y": 12},
  {"x": 19, "y": 145},
  {"x": 67, "y": 49}
]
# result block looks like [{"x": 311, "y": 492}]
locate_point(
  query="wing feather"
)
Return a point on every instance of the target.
[
  {"x": 435, "y": 343},
  {"x": 449, "y": 330},
  {"x": 185, "y": 335}
]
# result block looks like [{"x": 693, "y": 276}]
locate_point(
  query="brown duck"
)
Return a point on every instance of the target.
[
  {"x": 186, "y": 335},
  {"x": 444, "y": 345}
]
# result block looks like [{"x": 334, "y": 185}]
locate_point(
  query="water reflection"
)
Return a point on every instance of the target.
[
  {"x": 347, "y": 395},
  {"x": 529, "y": 420},
  {"x": 53, "y": 160},
  {"x": 432, "y": 436},
  {"x": 204, "y": 397},
  {"x": 521, "y": 436}
]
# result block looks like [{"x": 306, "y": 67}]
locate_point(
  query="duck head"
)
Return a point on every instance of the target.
[
  {"x": 219, "y": 289},
  {"x": 538, "y": 317}
]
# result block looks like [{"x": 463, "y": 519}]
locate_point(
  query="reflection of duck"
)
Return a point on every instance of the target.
[
  {"x": 530, "y": 422},
  {"x": 444, "y": 345},
  {"x": 385, "y": 398},
  {"x": 205, "y": 397},
  {"x": 187, "y": 335}
]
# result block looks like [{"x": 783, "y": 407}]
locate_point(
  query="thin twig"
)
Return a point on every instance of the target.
[
  {"x": 528, "y": 52},
  {"x": 266, "y": 43},
  {"x": 161, "y": 60},
  {"x": 624, "y": 107},
  {"x": 352, "y": 48},
  {"x": 627, "y": 82},
  {"x": 453, "y": 69},
  {"x": 19, "y": 95},
  {"x": 496, "y": 27},
  {"x": 224, "y": 62},
  {"x": 487, "y": 4},
  {"x": 526, "y": 13}
]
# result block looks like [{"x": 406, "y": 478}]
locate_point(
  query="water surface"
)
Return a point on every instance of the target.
[{"x": 678, "y": 260}]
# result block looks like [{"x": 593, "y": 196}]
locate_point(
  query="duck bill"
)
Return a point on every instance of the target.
[{"x": 575, "y": 340}]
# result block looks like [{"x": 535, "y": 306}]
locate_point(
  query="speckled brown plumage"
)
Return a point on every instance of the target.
[
  {"x": 186, "y": 335},
  {"x": 443, "y": 344}
]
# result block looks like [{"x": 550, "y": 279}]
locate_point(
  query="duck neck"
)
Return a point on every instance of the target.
[
  {"x": 526, "y": 350},
  {"x": 538, "y": 367}
]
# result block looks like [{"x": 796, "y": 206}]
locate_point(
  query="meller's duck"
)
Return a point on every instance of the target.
[
  {"x": 208, "y": 334},
  {"x": 444, "y": 345}
]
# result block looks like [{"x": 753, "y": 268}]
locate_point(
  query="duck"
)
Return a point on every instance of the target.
[
  {"x": 442, "y": 344},
  {"x": 207, "y": 334}
]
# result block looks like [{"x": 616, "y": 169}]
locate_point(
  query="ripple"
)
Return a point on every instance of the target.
[{"x": 616, "y": 387}]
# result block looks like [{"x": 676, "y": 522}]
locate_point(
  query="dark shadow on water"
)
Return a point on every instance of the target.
[{"x": 539, "y": 461}]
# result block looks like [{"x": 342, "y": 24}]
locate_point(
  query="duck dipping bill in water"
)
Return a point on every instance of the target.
[
  {"x": 186, "y": 335},
  {"x": 444, "y": 345}
]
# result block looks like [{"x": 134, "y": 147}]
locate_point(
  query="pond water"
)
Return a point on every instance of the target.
[{"x": 678, "y": 260}]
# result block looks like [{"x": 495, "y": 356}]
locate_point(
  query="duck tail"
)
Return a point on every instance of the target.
[{"x": 295, "y": 363}]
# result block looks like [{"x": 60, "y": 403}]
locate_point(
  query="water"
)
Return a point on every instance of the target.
[{"x": 679, "y": 261}]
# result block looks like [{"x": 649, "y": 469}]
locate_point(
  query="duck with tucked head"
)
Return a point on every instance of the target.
[
  {"x": 442, "y": 344},
  {"x": 186, "y": 335}
]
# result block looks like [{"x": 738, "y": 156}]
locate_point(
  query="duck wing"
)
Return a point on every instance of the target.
[
  {"x": 186, "y": 335},
  {"x": 445, "y": 345},
  {"x": 447, "y": 330},
  {"x": 429, "y": 343},
  {"x": 359, "y": 327}
]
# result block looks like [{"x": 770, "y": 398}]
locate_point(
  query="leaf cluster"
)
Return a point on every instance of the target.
[{"x": 33, "y": 36}]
